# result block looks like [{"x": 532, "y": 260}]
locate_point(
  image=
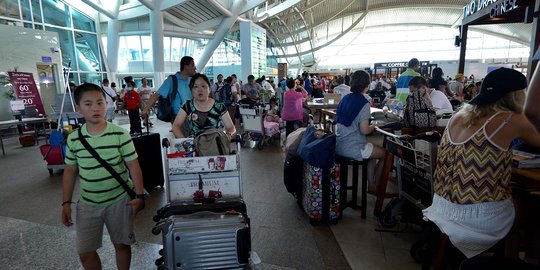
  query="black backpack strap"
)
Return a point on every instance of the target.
[
  {"x": 174, "y": 89},
  {"x": 106, "y": 165},
  {"x": 220, "y": 146}
]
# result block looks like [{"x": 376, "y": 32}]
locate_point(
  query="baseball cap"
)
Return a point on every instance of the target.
[
  {"x": 497, "y": 84},
  {"x": 459, "y": 76}
]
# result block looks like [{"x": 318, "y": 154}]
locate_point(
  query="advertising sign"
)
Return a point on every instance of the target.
[{"x": 26, "y": 90}]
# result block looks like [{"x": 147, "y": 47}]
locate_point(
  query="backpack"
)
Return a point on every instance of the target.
[
  {"x": 165, "y": 111},
  {"x": 212, "y": 142},
  {"x": 224, "y": 94},
  {"x": 418, "y": 113}
]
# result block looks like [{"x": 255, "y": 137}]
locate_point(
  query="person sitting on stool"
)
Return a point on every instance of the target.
[
  {"x": 472, "y": 203},
  {"x": 352, "y": 118}
]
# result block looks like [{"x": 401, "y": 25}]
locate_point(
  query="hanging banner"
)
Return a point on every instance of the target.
[{"x": 26, "y": 90}]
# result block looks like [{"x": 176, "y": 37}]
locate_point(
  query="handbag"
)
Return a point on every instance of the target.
[
  {"x": 106, "y": 165},
  {"x": 318, "y": 147},
  {"x": 165, "y": 111}
]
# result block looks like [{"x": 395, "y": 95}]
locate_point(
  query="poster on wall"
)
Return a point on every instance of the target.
[{"x": 26, "y": 90}]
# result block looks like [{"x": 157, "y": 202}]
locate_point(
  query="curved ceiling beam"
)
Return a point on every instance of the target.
[
  {"x": 278, "y": 44},
  {"x": 310, "y": 36},
  {"x": 381, "y": 7},
  {"x": 220, "y": 8},
  {"x": 329, "y": 42},
  {"x": 260, "y": 16},
  {"x": 295, "y": 45},
  {"x": 483, "y": 31},
  {"x": 147, "y": 4},
  {"x": 350, "y": 14},
  {"x": 331, "y": 17}
]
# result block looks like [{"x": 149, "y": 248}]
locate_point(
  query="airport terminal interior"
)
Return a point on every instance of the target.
[{"x": 259, "y": 51}]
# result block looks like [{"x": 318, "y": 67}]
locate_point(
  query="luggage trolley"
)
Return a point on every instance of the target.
[
  {"x": 255, "y": 128},
  {"x": 416, "y": 157},
  {"x": 205, "y": 224}
]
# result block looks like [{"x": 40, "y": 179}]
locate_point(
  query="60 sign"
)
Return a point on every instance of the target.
[{"x": 24, "y": 88}]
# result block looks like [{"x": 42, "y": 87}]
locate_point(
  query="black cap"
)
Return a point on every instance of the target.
[{"x": 497, "y": 84}]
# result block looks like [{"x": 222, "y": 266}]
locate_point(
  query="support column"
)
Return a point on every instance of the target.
[
  {"x": 156, "y": 32},
  {"x": 463, "y": 49},
  {"x": 220, "y": 33},
  {"x": 113, "y": 27},
  {"x": 535, "y": 42}
]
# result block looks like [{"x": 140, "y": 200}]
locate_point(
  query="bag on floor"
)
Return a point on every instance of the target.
[
  {"x": 27, "y": 140},
  {"x": 212, "y": 142},
  {"x": 165, "y": 110},
  {"x": 293, "y": 140},
  {"x": 293, "y": 173}
]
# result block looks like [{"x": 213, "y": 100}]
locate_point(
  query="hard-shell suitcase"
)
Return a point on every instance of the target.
[
  {"x": 183, "y": 208},
  {"x": 320, "y": 193},
  {"x": 204, "y": 240},
  {"x": 148, "y": 147}
]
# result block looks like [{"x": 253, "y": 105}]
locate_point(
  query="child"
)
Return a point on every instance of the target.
[
  {"x": 272, "y": 111},
  {"x": 102, "y": 199},
  {"x": 132, "y": 102}
]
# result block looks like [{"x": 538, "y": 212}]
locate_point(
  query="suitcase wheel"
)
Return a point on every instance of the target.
[
  {"x": 419, "y": 251},
  {"x": 50, "y": 171},
  {"x": 156, "y": 230},
  {"x": 160, "y": 261},
  {"x": 160, "y": 252},
  {"x": 389, "y": 216},
  {"x": 156, "y": 218}
]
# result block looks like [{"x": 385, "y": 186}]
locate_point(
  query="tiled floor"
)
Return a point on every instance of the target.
[{"x": 32, "y": 237}]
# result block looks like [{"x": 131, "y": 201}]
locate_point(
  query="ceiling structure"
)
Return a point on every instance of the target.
[{"x": 299, "y": 28}]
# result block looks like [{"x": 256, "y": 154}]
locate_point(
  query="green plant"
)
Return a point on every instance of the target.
[{"x": 6, "y": 82}]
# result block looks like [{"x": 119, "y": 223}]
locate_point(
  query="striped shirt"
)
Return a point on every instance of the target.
[
  {"x": 97, "y": 185},
  {"x": 473, "y": 171}
]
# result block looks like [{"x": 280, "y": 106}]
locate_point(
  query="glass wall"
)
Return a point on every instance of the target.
[{"x": 76, "y": 32}]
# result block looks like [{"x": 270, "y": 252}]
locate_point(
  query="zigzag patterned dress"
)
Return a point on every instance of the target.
[{"x": 472, "y": 203}]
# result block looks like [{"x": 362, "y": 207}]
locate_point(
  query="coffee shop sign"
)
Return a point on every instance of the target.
[{"x": 500, "y": 8}]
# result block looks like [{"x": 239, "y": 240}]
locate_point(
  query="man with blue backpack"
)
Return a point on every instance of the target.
[{"x": 226, "y": 95}]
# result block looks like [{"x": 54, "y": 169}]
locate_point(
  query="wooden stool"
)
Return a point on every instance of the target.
[
  {"x": 383, "y": 184},
  {"x": 344, "y": 163}
]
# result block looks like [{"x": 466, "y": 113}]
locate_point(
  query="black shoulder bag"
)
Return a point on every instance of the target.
[
  {"x": 106, "y": 165},
  {"x": 165, "y": 109}
]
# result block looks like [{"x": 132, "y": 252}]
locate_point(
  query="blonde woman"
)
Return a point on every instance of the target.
[{"x": 472, "y": 204}]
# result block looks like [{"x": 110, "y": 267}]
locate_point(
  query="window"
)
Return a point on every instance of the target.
[
  {"x": 146, "y": 43},
  {"x": 87, "y": 51},
  {"x": 9, "y": 8},
  {"x": 90, "y": 78},
  {"x": 36, "y": 10},
  {"x": 81, "y": 22},
  {"x": 167, "y": 49},
  {"x": 25, "y": 9},
  {"x": 66, "y": 45},
  {"x": 55, "y": 12},
  {"x": 176, "y": 47}
]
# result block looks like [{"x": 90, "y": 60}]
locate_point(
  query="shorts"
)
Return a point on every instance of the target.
[
  {"x": 368, "y": 149},
  {"x": 110, "y": 114},
  {"x": 90, "y": 220}
]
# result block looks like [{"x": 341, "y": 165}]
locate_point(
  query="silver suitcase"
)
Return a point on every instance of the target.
[{"x": 205, "y": 240}]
